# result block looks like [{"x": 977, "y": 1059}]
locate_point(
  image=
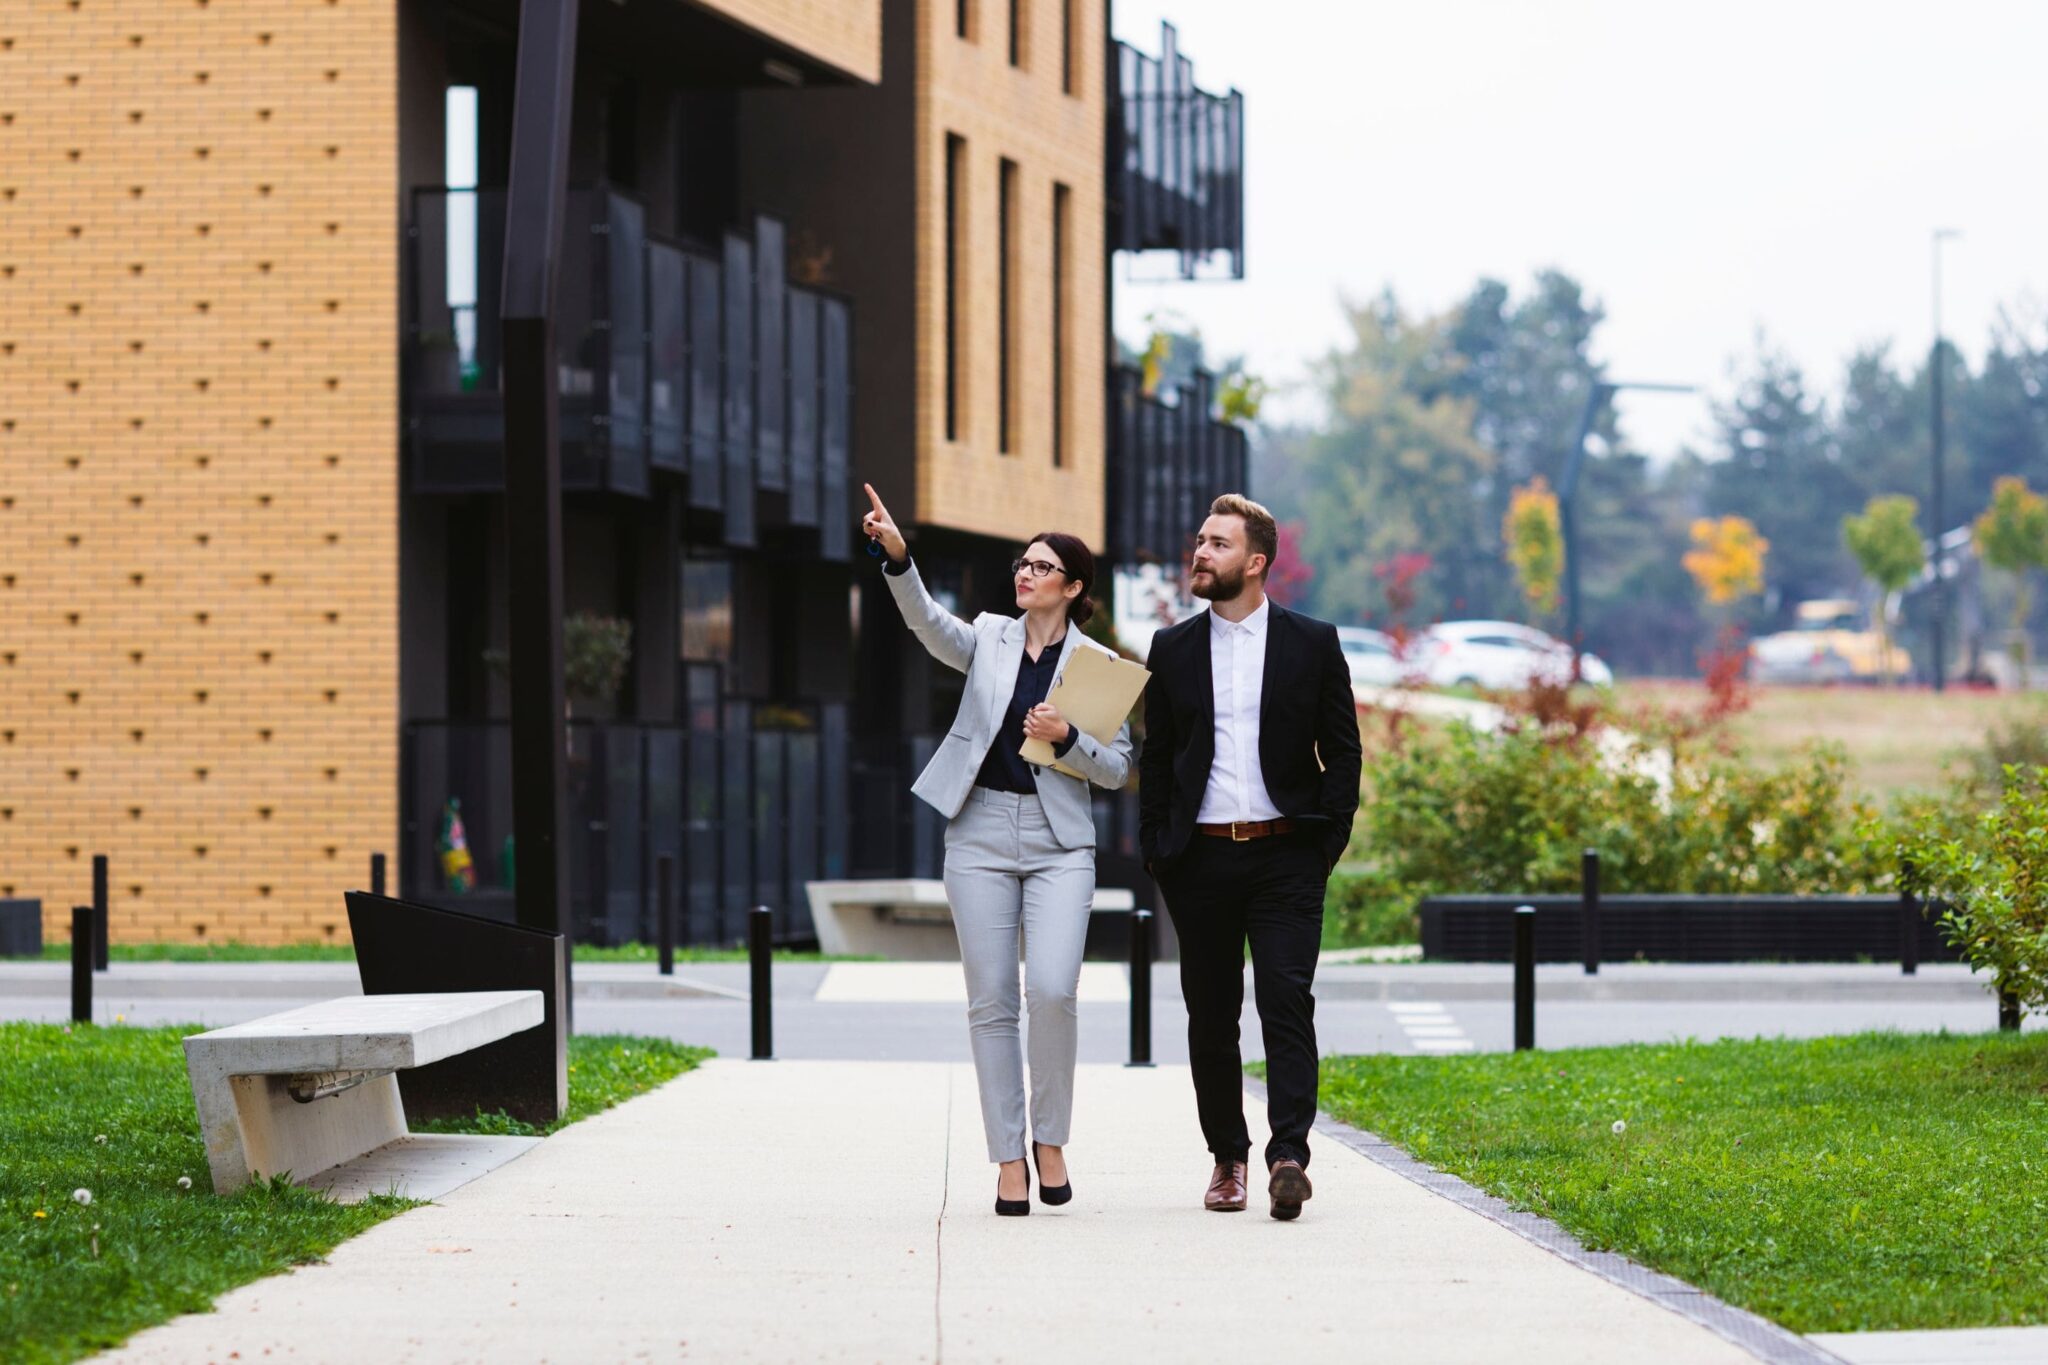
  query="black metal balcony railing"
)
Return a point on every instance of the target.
[
  {"x": 750, "y": 814},
  {"x": 1167, "y": 463},
  {"x": 712, "y": 367},
  {"x": 1175, "y": 159}
]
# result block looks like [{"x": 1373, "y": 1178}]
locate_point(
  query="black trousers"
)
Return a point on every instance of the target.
[{"x": 1269, "y": 893}]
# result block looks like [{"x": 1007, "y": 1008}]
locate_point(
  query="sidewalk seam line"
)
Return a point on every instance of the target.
[{"x": 1758, "y": 1335}]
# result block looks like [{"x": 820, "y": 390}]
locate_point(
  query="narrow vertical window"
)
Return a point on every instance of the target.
[
  {"x": 459, "y": 174},
  {"x": 956, "y": 175},
  {"x": 1062, "y": 213},
  {"x": 1016, "y": 32},
  {"x": 1006, "y": 308},
  {"x": 963, "y": 18},
  {"x": 1067, "y": 54}
]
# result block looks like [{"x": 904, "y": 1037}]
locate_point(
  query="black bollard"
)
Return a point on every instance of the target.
[
  {"x": 376, "y": 874},
  {"x": 1909, "y": 932},
  {"x": 1141, "y": 988},
  {"x": 81, "y": 964},
  {"x": 665, "y": 911},
  {"x": 1525, "y": 977},
  {"x": 760, "y": 928},
  {"x": 99, "y": 912},
  {"x": 2008, "y": 1012},
  {"x": 1589, "y": 909}
]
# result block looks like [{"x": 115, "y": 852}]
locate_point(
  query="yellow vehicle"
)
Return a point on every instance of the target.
[{"x": 1829, "y": 642}]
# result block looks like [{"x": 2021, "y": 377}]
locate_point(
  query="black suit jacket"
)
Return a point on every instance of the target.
[{"x": 1306, "y": 713}]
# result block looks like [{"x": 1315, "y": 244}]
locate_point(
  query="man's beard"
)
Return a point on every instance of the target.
[{"x": 1221, "y": 587}]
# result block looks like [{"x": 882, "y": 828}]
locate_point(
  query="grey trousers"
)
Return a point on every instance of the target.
[{"x": 1006, "y": 874}]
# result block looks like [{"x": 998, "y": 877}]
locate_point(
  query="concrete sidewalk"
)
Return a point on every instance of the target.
[{"x": 826, "y": 1211}]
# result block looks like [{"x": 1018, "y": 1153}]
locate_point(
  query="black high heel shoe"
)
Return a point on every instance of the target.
[
  {"x": 1013, "y": 1208},
  {"x": 1051, "y": 1194}
]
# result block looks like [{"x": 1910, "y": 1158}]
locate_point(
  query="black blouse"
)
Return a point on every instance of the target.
[{"x": 1004, "y": 769}]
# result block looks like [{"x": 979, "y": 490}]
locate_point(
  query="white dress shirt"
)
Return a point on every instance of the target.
[{"x": 1237, "y": 669}]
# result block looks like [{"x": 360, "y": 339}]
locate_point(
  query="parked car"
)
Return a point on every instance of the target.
[
  {"x": 1374, "y": 656},
  {"x": 1500, "y": 656},
  {"x": 1830, "y": 641}
]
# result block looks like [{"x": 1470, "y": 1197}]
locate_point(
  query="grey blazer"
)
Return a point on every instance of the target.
[{"x": 988, "y": 652}]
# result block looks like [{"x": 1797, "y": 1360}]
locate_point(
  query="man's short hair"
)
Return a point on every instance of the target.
[{"x": 1261, "y": 532}]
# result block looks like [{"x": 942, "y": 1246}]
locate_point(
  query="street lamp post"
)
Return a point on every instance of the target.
[
  {"x": 1601, "y": 394},
  {"x": 1937, "y": 510}
]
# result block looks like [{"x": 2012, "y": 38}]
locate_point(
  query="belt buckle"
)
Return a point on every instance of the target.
[{"x": 1237, "y": 838}]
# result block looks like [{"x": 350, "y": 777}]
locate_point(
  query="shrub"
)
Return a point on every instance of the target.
[
  {"x": 1989, "y": 878},
  {"x": 1466, "y": 812}
]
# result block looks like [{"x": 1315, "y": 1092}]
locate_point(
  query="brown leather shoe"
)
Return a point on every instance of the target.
[
  {"x": 1226, "y": 1188},
  {"x": 1288, "y": 1188}
]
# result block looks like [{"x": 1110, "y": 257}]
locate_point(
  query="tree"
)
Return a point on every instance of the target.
[
  {"x": 1886, "y": 542},
  {"x": 1727, "y": 561},
  {"x": 1533, "y": 535},
  {"x": 1393, "y": 471},
  {"x": 1783, "y": 474},
  {"x": 2012, "y": 535}
]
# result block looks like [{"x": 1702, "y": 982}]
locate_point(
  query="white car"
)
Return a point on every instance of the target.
[
  {"x": 1374, "y": 657},
  {"x": 1501, "y": 656}
]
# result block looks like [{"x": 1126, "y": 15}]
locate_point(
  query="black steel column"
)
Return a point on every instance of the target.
[
  {"x": 1909, "y": 928},
  {"x": 1525, "y": 977},
  {"x": 99, "y": 912},
  {"x": 760, "y": 945},
  {"x": 81, "y": 964},
  {"x": 1589, "y": 909},
  {"x": 376, "y": 874},
  {"x": 665, "y": 911},
  {"x": 534, "y": 204},
  {"x": 1141, "y": 988}
]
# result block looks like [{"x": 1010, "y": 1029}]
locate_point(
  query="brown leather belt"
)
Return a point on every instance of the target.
[{"x": 1239, "y": 831}]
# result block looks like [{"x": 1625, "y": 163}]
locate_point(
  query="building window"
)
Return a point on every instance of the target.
[
  {"x": 460, "y": 147},
  {"x": 1006, "y": 308},
  {"x": 956, "y": 230},
  {"x": 1062, "y": 216},
  {"x": 707, "y": 611},
  {"x": 1069, "y": 58},
  {"x": 1016, "y": 32},
  {"x": 963, "y": 19}
]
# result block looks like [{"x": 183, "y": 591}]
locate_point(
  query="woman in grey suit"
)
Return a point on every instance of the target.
[{"x": 1020, "y": 848}]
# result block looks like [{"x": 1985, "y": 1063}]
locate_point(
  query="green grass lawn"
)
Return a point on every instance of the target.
[
  {"x": 342, "y": 952},
  {"x": 1881, "y": 1181},
  {"x": 108, "y": 1110}
]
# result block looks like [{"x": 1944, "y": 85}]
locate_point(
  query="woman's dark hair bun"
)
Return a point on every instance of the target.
[{"x": 1080, "y": 609}]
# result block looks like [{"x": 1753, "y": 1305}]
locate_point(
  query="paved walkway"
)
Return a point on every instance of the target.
[{"x": 829, "y": 1211}]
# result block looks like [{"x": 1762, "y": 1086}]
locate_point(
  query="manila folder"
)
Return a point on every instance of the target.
[{"x": 1095, "y": 693}]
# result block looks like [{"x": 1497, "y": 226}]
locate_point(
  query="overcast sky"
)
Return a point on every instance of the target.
[{"x": 1704, "y": 170}]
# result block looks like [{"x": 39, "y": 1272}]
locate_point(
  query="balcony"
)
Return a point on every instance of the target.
[
  {"x": 1167, "y": 461},
  {"x": 709, "y": 366},
  {"x": 1175, "y": 160}
]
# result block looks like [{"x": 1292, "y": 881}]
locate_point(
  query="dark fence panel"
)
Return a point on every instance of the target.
[
  {"x": 1679, "y": 929},
  {"x": 803, "y": 408},
  {"x": 771, "y": 379},
  {"x": 738, "y": 387},
  {"x": 836, "y": 430},
  {"x": 668, "y": 377},
  {"x": 707, "y": 458}
]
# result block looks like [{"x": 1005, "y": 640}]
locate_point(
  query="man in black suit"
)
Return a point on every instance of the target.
[{"x": 1247, "y": 786}]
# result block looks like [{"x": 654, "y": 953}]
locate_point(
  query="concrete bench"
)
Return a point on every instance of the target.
[
  {"x": 908, "y": 919},
  {"x": 311, "y": 1091}
]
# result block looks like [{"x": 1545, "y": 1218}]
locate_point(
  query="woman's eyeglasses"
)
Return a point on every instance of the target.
[{"x": 1039, "y": 567}]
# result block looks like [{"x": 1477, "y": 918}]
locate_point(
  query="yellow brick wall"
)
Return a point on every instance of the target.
[
  {"x": 967, "y": 87},
  {"x": 198, "y": 480},
  {"x": 844, "y": 33}
]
